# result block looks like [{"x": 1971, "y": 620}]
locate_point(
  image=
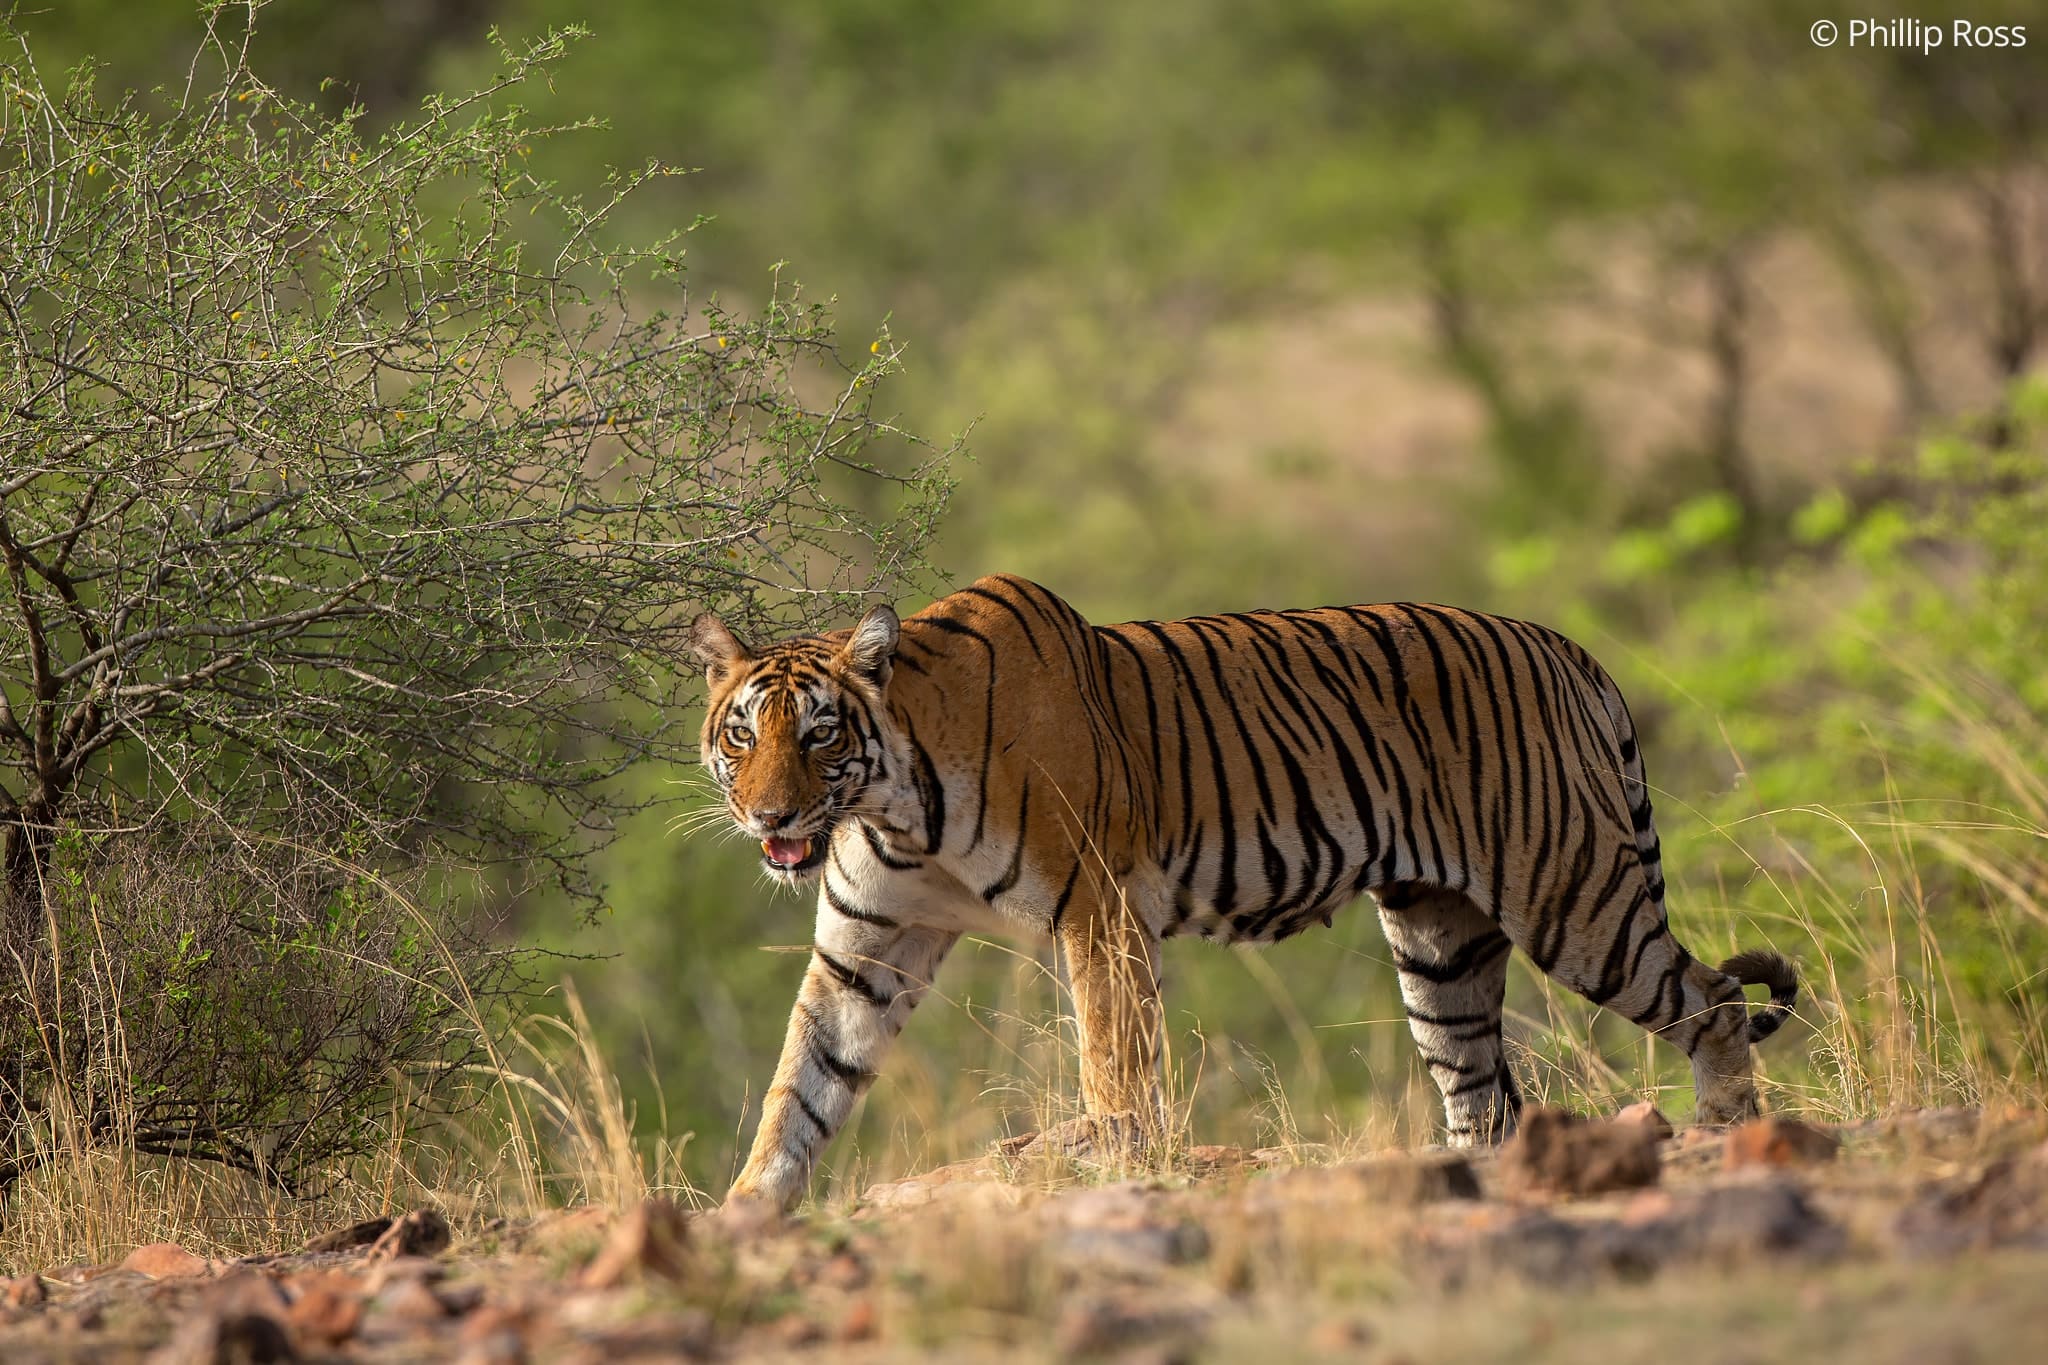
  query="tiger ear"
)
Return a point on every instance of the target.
[
  {"x": 872, "y": 646},
  {"x": 718, "y": 649}
]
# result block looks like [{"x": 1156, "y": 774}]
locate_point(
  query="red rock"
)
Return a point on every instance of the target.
[
  {"x": 247, "y": 1291},
  {"x": 1340, "y": 1336},
  {"x": 1557, "y": 1153},
  {"x": 324, "y": 1313},
  {"x": 165, "y": 1260},
  {"x": 845, "y": 1271},
  {"x": 861, "y": 1321},
  {"x": 1642, "y": 1111},
  {"x": 1778, "y": 1142}
]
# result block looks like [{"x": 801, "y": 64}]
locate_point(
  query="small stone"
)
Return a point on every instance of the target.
[
  {"x": 324, "y": 1313},
  {"x": 1778, "y": 1142},
  {"x": 2004, "y": 1204},
  {"x": 650, "y": 1239},
  {"x": 460, "y": 1299},
  {"x": 164, "y": 1261},
  {"x": 1340, "y": 1336},
  {"x": 745, "y": 1219},
  {"x": 1137, "y": 1248},
  {"x": 1557, "y": 1153},
  {"x": 491, "y": 1319},
  {"x": 1106, "y": 1323},
  {"x": 642, "y": 1335},
  {"x": 578, "y": 1232},
  {"x": 845, "y": 1271},
  {"x": 1412, "y": 1181},
  {"x": 796, "y": 1331},
  {"x": 227, "y": 1339},
  {"x": 1730, "y": 1225},
  {"x": 1295, "y": 1154},
  {"x": 861, "y": 1321},
  {"x": 497, "y": 1348},
  {"x": 410, "y": 1300},
  {"x": 1644, "y": 1112},
  {"x": 1215, "y": 1159},
  {"x": 248, "y": 1292},
  {"x": 422, "y": 1232}
]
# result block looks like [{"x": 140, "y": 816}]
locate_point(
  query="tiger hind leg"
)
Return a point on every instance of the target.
[
  {"x": 1453, "y": 963},
  {"x": 1620, "y": 954}
]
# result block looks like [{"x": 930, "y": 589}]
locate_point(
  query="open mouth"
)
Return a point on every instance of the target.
[{"x": 794, "y": 857}]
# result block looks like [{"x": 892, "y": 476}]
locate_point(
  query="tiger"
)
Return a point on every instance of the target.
[{"x": 996, "y": 764}]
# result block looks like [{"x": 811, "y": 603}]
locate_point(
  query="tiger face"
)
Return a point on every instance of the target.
[{"x": 793, "y": 733}]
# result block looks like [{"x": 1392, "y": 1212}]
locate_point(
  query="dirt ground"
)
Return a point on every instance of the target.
[{"x": 1922, "y": 1238}]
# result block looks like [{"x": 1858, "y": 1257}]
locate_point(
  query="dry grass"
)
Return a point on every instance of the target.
[{"x": 539, "y": 1124}]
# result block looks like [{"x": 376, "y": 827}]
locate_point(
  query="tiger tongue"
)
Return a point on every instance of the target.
[{"x": 786, "y": 852}]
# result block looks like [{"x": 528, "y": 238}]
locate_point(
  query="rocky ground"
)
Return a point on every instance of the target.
[{"x": 1922, "y": 1238}]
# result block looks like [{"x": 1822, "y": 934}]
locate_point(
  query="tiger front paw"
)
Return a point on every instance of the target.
[{"x": 1097, "y": 1139}]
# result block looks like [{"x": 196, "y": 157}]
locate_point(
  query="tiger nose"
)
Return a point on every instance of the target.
[{"x": 774, "y": 819}]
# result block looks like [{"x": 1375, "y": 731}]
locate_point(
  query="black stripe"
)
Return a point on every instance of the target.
[
  {"x": 841, "y": 905},
  {"x": 853, "y": 980},
  {"x": 1016, "y": 867},
  {"x": 1030, "y": 635},
  {"x": 817, "y": 1119},
  {"x": 881, "y": 850},
  {"x": 1469, "y": 958}
]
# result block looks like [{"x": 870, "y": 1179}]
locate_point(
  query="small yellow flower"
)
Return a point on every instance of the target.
[
  {"x": 242, "y": 98},
  {"x": 874, "y": 348},
  {"x": 351, "y": 158},
  {"x": 721, "y": 343},
  {"x": 92, "y": 168}
]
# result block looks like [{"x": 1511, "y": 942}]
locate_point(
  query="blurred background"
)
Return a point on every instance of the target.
[{"x": 1660, "y": 324}]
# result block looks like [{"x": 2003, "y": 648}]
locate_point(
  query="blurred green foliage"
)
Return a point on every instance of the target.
[{"x": 1082, "y": 219}]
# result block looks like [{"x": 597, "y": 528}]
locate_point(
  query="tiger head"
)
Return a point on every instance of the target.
[{"x": 794, "y": 732}]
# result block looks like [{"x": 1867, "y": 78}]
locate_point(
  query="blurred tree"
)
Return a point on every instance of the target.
[{"x": 330, "y": 506}]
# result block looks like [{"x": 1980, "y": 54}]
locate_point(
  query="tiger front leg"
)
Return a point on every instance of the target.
[
  {"x": 861, "y": 986},
  {"x": 1112, "y": 964}
]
